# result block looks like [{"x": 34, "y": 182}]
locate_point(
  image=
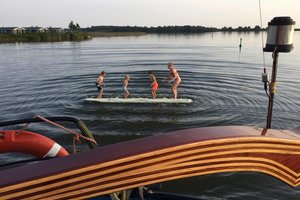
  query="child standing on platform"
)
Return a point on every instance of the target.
[
  {"x": 125, "y": 85},
  {"x": 153, "y": 85},
  {"x": 100, "y": 84}
]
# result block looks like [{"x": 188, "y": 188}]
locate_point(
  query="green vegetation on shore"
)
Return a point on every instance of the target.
[
  {"x": 43, "y": 37},
  {"x": 73, "y": 34}
]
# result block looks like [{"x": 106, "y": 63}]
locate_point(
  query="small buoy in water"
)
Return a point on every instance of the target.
[{"x": 240, "y": 43}]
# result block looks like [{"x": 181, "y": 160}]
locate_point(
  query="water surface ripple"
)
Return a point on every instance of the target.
[{"x": 52, "y": 79}]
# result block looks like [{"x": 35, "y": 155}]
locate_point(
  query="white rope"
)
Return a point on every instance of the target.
[{"x": 262, "y": 35}]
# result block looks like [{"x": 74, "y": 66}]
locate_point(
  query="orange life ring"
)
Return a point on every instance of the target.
[{"x": 29, "y": 143}]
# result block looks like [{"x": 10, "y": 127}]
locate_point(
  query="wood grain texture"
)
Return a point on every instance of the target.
[{"x": 156, "y": 159}]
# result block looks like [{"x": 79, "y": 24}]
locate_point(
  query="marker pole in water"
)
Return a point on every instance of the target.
[{"x": 280, "y": 39}]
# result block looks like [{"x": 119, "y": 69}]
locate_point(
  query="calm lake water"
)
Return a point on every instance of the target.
[{"x": 53, "y": 79}]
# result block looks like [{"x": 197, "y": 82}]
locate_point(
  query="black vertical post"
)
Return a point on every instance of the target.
[{"x": 272, "y": 89}]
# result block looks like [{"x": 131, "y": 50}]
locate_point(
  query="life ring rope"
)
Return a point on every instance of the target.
[
  {"x": 38, "y": 145},
  {"x": 76, "y": 137}
]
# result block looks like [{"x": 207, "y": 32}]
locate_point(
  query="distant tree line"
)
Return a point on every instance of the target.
[
  {"x": 168, "y": 29},
  {"x": 159, "y": 29},
  {"x": 242, "y": 29}
]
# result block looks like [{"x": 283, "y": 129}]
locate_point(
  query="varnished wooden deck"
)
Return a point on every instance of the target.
[{"x": 157, "y": 159}]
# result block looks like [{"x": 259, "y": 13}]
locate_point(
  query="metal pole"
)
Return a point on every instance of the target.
[{"x": 272, "y": 89}]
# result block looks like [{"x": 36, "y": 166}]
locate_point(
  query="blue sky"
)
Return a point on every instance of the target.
[{"x": 215, "y": 13}]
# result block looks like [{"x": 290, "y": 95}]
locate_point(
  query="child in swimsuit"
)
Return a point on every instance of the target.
[
  {"x": 100, "y": 83},
  {"x": 173, "y": 78},
  {"x": 154, "y": 84},
  {"x": 125, "y": 85}
]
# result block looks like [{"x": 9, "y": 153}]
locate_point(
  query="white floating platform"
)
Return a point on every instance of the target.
[{"x": 139, "y": 100}]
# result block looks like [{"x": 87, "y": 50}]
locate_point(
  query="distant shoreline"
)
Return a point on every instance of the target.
[
  {"x": 114, "y": 34},
  {"x": 43, "y": 37},
  {"x": 87, "y": 35},
  {"x": 75, "y": 33}
]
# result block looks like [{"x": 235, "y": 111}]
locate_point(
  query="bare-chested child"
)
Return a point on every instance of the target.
[
  {"x": 173, "y": 78},
  {"x": 153, "y": 85},
  {"x": 125, "y": 85},
  {"x": 100, "y": 84}
]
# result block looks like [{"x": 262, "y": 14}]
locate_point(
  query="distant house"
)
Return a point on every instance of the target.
[
  {"x": 36, "y": 29},
  {"x": 32, "y": 29},
  {"x": 67, "y": 30},
  {"x": 55, "y": 29},
  {"x": 9, "y": 30}
]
